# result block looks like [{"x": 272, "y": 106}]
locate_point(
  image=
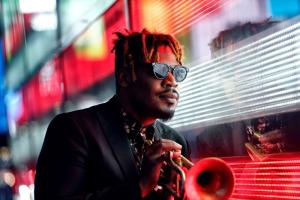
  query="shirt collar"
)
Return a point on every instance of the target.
[{"x": 131, "y": 126}]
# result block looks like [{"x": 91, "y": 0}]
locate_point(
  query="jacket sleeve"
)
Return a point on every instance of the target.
[{"x": 61, "y": 171}]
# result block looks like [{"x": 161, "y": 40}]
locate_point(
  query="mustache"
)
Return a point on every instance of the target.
[{"x": 170, "y": 90}]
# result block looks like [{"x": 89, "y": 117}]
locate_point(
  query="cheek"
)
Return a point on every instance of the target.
[{"x": 151, "y": 86}]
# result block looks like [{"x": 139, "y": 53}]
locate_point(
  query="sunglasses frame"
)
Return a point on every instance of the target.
[{"x": 171, "y": 69}]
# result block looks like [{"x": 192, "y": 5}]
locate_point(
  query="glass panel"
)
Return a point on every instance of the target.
[{"x": 248, "y": 74}]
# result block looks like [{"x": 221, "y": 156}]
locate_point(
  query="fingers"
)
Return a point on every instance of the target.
[
  {"x": 155, "y": 157},
  {"x": 159, "y": 148},
  {"x": 169, "y": 155},
  {"x": 164, "y": 145},
  {"x": 169, "y": 145}
]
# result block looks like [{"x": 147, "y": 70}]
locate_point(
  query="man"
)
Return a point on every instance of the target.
[{"x": 116, "y": 150}]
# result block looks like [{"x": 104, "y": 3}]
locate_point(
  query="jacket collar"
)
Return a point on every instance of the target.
[{"x": 111, "y": 122}]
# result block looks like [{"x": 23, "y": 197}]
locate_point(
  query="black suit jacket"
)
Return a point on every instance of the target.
[{"x": 86, "y": 155}]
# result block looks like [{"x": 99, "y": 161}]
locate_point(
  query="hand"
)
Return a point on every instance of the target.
[{"x": 153, "y": 161}]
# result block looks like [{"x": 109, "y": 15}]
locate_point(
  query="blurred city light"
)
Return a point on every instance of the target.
[
  {"x": 36, "y": 6},
  {"x": 44, "y": 21}
]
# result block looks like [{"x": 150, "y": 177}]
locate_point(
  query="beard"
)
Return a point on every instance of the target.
[
  {"x": 151, "y": 110},
  {"x": 166, "y": 115}
]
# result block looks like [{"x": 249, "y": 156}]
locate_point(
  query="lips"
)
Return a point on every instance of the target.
[{"x": 170, "y": 97}]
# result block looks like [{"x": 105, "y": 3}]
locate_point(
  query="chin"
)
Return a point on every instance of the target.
[{"x": 166, "y": 115}]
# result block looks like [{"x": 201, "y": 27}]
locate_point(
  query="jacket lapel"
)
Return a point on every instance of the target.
[
  {"x": 158, "y": 132},
  {"x": 110, "y": 122}
]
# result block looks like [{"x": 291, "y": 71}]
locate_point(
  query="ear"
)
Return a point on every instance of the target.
[{"x": 124, "y": 78}]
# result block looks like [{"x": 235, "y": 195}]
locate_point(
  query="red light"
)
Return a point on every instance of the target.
[
  {"x": 276, "y": 178},
  {"x": 174, "y": 16}
]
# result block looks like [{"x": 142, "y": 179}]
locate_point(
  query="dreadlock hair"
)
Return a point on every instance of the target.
[{"x": 134, "y": 48}]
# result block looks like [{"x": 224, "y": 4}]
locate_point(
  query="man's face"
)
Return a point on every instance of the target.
[{"x": 153, "y": 97}]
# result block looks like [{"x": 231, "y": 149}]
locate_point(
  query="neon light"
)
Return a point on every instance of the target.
[
  {"x": 244, "y": 81},
  {"x": 267, "y": 185},
  {"x": 196, "y": 17},
  {"x": 270, "y": 168},
  {"x": 266, "y": 190},
  {"x": 268, "y": 179},
  {"x": 247, "y": 67},
  {"x": 267, "y": 162},
  {"x": 174, "y": 16},
  {"x": 253, "y": 92},
  {"x": 273, "y": 179},
  {"x": 267, "y": 196}
]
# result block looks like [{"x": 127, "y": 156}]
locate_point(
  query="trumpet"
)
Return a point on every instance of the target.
[{"x": 208, "y": 179}]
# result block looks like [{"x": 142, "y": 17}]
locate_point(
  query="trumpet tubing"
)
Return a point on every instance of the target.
[
  {"x": 208, "y": 179},
  {"x": 186, "y": 162}
]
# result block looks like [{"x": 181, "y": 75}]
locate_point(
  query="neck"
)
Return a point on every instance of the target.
[{"x": 137, "y": 114}]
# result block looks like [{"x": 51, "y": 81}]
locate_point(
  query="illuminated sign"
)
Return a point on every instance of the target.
[{"x": 3, "y": 118}]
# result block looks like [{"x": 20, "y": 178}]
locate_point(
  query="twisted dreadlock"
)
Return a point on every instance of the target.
[{"x": 134, "y": 48}]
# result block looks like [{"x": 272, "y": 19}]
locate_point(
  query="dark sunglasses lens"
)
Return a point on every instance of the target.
[
  {"x": 180, "y": 73},
  {"x": 160, "y": 70}
]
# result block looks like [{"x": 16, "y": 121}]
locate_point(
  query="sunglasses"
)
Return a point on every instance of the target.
[{"x": 161, "y": 70}]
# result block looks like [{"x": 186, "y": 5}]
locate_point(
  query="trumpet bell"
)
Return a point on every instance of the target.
[{"x": 209, "y": 179}]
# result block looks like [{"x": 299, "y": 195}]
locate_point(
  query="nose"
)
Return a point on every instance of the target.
[{"x": 170, "y": 81}]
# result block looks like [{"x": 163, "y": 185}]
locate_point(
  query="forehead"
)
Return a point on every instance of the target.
[{"x": 166, "y": 55}]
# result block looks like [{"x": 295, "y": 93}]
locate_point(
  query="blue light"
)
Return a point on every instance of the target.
[
  {"x": 3, "y": 116},
  {"x": 284, "y": 8}
]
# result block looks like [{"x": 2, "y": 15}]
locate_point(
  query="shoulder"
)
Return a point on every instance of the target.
[
  {"x": 168, "y": 132},
  {"x": 75, "y": 124},
  {"x": 165, "y": 130},
  {"x": 82, "y": 116}
]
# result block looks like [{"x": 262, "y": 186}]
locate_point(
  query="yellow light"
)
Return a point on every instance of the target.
[{"x": 9, "y": 178}]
